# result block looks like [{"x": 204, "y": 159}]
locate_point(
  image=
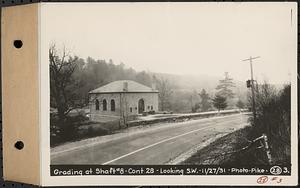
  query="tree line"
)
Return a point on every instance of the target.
[{"x": 71, "y": 79}]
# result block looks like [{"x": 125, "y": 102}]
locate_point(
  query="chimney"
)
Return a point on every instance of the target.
[
  {"x": 153, "y": 86},
  {"x": 125, "y": 86}
]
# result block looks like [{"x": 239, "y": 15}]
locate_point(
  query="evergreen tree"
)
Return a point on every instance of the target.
[
  {"x": 240, "y": 104},
  {"x": 225, "y": 87},
  {"x": 205, "y": 104},
  {"x": 219, "y": 102}
]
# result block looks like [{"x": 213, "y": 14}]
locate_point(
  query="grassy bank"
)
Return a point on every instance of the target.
[{"x": 220, "y": 151}]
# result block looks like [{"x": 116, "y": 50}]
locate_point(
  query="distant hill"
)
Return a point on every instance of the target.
[{"x": 199, "y": 82}]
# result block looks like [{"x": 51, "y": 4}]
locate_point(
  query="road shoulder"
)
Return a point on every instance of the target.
[{"x": 219, "y": 151}]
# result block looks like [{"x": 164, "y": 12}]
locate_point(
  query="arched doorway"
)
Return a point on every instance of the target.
[{"x": 141, "y": 106}]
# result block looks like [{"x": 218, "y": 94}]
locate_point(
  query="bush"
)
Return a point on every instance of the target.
[
  {"x": 95, "y": 131},
  {"x": 67, "y": 131},
  {"x": 152, "y": 112},
  {"x": 274, "y": 119}
]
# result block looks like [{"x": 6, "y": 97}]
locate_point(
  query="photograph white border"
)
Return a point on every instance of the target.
[{"x": 47, "y": 180}]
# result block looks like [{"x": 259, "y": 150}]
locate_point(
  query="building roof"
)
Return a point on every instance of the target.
[{"x": 122, "y": 86}]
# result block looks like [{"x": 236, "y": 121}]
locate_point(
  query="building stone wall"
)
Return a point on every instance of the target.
[
  {"x": 150, "y": 100},
  {"x": 126, "y": 105}
]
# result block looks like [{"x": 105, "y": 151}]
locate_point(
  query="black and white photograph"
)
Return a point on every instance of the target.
[{"x": 172, "y": 84}]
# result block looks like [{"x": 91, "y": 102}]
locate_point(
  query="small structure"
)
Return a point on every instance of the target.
[{"x": 122, "y": 100}]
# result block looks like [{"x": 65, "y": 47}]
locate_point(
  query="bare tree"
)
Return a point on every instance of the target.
[
  {"x": 205, "y": 103},
  {"x": 165, "y": 92},
  {"x": 61, "y": 88}
]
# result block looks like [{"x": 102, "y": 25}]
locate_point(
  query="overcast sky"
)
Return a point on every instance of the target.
[{"x": 180, "y": 38}]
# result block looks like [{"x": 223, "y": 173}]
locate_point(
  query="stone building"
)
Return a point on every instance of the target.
[{"x": 121, "y": 100}]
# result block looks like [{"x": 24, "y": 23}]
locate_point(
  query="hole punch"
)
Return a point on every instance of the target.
[
  {"x": 18, "y": 43},
  {"x": 19, "y": 145}
]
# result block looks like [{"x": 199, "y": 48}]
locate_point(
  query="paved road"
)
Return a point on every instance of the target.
[{"x": 153, "y": 145}]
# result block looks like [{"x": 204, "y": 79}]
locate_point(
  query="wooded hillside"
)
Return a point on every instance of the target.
[{"x": 178, "y": 93}]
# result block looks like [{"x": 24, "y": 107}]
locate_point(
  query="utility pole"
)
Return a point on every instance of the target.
[{"x": 252, "y": 87}]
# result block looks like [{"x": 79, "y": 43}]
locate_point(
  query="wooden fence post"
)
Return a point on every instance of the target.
[{"x": 268, "y": 151}]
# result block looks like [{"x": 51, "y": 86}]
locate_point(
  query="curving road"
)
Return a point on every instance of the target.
[{"x": 150, "y": 145}]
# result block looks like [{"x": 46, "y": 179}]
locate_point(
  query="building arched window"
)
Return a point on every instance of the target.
[
  {"x": 112, "y": 105},
  {"x": 104, "y": 103},
  {"x": 97, "y": 104}
]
